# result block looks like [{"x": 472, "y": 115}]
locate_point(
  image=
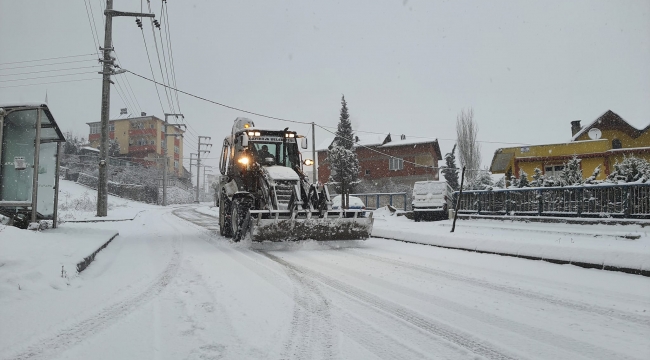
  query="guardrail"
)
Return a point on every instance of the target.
[{"x": 620, "y": 200}]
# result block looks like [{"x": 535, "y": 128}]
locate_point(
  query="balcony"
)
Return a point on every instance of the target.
[{"x": 142, "y": 132}]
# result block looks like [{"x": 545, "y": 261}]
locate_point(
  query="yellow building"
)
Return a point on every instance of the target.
[
  {"x": 141, "y": 140},
  {"x": 602, "y": 143}
]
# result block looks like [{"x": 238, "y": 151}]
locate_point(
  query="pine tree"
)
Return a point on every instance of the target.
[
  {"x": 450, "y": 172},
  {"x": 514, "y": 181},
  {"x": 483, "y": 181},
  {"x": 572, "y": 173},
  {"x": 344, "y": 133},
  {"x": 538, "y": 178},
  {"x": 631, "y": 169},
  {"x": 343, "y": 158},
  {"x": 508, "y": 177},
  {"x": 501, "y": 184},
  {"x": 523, "y": 179}
]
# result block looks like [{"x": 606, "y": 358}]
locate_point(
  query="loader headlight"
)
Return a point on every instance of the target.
[
  {"x": 308, "y": 162},
  {"x": 288, "y": 135},
  {"x": 243, "y": 160}
]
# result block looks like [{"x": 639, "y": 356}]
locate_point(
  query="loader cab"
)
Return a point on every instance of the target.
[{"x": 269, "y": 148}]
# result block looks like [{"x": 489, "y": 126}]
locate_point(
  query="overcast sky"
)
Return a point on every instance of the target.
[{"x": 526, "y": 67}]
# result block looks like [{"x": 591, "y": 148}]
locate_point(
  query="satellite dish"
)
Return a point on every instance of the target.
[{"x": 595, "y": 134}]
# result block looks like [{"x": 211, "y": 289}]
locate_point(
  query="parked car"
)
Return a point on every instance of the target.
[
  {"x": 431, "y": 200},
  {"x": 355, "y": 203}
]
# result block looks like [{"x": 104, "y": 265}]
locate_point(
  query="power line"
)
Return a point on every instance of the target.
[
  {"x": 151, "y": 67},
  {"x": 58, "y": 63},
  {"x": 286, "y": 120},
  {"x": 42, "y": 71},
  {"x": 54, "y": 58},
  {"x": 49, "y": 76},
  {"x": 220, "y": 104},
  {"x": 162, "y": 46},
  {"x": 155, "y": 42},
  {"x": 46, "y": 83},
  {"x": 92, "y": 28},
  {"x": 171, "y": 51}
]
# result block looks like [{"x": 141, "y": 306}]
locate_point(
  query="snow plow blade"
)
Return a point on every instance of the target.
[{"x": 335, "y": 226}]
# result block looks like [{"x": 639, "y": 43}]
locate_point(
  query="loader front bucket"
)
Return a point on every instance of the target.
[{"x": 333, "y": 227}]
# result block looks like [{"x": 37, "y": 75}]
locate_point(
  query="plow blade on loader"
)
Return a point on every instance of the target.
[{"x": 335, "y": 226}]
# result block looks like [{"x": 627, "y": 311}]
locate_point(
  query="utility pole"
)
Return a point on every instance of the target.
[
  {"x": 191, "y": 159},
  {"x": 107, "y": 71},
  {"x": 313, "y": 154},
  {"x": 198, "y": 162},
  {"x": 166, "y": 160},
  {"x": 205, "y": 170}
]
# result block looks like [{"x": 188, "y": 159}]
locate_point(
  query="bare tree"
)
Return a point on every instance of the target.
[{"x": 469, "y": 150}]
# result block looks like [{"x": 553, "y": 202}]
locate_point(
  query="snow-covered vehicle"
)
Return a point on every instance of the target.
[
  {"x": 354, "y": 203},
  {"x": 264, "y": 192},
  {"x": 431, "y": 200}
]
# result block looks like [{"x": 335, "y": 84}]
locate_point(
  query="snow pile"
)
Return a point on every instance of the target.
[
  {"x": 79, "y": 203},
  {"x": 208, "y": 210},
  {"x": 33, "y": 261},
  {"x": 626, "y": 246}
]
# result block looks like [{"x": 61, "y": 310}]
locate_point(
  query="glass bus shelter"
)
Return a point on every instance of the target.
[{"x": 29, "y": 163}]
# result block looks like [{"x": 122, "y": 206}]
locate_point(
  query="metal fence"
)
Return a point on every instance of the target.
[
  {"x": 374, "y": 201},
  {"x": 622, "y": 200}
]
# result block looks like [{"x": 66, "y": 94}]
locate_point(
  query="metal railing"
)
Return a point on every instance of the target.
[
  {"x": 620, "y": 200},
  {"x": 374, "y": 201}
]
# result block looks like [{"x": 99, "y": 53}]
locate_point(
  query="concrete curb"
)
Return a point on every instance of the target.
[
  {"x": 83, "y": 264},
  {"x": 102, "y": 220},
  {"x": 554, "y": 261}
]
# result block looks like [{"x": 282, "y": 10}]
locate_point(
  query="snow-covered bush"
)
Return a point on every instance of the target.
[
  {"x": 538, "y": 178},
  {"x": 483, "y": 181},
  {"x": 572, "y": 173},
  {"x": 450, "y": 171},
  {"x": 631, "y": 169}
]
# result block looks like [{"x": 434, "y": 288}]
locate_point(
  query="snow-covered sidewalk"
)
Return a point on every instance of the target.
[{"x": 618, "y": 246}]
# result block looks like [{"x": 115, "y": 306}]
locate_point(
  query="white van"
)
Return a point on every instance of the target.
[{"x": 431, "y": 200}]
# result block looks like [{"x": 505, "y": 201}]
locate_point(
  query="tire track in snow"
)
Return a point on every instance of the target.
[
  {"x": 383, "y": 344},
  {"x": 629, "y": 317},
  {"x": 73, "y": 335},
  {"x": 548, "y": 338},
  {"x": 437, "y": 329}
]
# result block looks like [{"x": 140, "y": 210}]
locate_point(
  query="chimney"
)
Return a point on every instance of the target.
[
  {"x": 575, "y": 127},
  {"x": 403, "y": 137},
  {"x": 143, "y": 113}
]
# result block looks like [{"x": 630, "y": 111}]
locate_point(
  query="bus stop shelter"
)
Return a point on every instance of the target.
[{"x": 29, "y": 163}]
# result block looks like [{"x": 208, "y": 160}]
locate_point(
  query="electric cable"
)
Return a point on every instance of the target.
[
  {"x": 58, "y": 63},
  {"x": 54, "y": 58},
  {"x": 46, "y": 83},
  {"x": 42, "y": 71}
]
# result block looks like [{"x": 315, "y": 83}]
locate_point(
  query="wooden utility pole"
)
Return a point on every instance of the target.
[
  {"x": 314, "y": 175},
  {"x": 107, "y": 71}
]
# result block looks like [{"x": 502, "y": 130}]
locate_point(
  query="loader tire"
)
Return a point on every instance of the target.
[
  {"x": 225, "y": 227},
  {"x": 238, "y": 219}
]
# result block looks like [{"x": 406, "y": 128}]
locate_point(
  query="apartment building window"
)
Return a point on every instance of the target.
[
  {"x": 152, "y": 142},
  {"x": 395, "y": 164},
  {"x": 152, "y": 126},
  {"x": 111, "y": 127},
  {"x": 177, "y": 149},
  {"x": 175, "y": 164}
]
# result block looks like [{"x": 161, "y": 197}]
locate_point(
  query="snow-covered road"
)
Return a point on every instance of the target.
[{"x": 169, "y": 287}]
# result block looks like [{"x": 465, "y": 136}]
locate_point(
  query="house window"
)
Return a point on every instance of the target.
[
  {"x": 617, "y": 144},
  {"x": 111, "y": 127},
  {"x": 553, "y": 170},
  {"x": 367, "y": 172},
  {"x": 95, "y": 128},
  {"x": 395, "y": 164}
]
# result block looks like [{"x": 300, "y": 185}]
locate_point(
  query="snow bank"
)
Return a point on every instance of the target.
[
  {"x": 37, "y": 261},
  {"x": 208, "y": 210},
  {"x": 79, "y": 203},
  {"x": 621, "y": 246}
]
